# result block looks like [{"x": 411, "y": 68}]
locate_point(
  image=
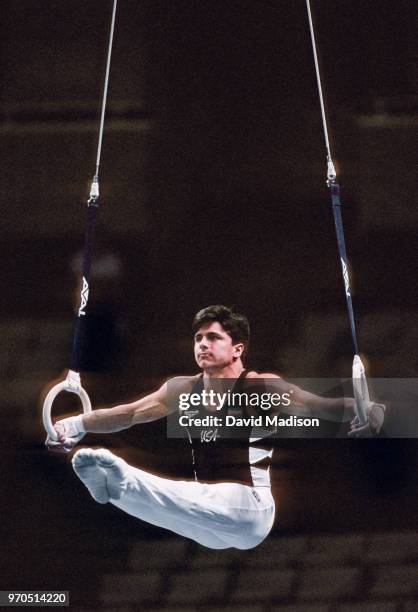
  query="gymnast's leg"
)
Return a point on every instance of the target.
[{"x": 216, "y": 515}]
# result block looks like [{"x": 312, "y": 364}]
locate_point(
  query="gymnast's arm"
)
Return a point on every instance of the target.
[
  {"x": 107, "y": 420},
  {"x": 329, "y": 408},
  {"x": 144, "y": 410},
  {"x": 304, "y": 403},
  {"x": 341, "y": 409}
]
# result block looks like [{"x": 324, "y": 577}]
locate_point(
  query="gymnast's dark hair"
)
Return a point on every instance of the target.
[{"x": 235, "y": 324}]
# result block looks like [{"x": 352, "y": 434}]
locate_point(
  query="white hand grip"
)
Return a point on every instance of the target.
[
  {"x": 72, "y": 384},
  {"x": 361, "y": 390}
]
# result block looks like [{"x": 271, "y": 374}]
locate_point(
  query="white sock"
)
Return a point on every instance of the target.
[{"x": 101, "y": 472}]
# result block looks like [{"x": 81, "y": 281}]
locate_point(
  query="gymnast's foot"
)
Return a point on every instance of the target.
[{"x": 102, "y": 473}]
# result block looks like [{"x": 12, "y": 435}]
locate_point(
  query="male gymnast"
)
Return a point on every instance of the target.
[{"x": 229, "y": 504}]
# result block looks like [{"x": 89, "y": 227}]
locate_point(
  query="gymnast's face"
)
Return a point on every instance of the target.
[{"x": 213, "y": 347}]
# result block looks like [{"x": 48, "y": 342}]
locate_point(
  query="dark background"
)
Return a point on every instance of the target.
[{"x": 212, "y": 191}]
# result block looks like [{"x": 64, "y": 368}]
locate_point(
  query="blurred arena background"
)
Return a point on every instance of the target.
[{"x": 212, "y": 190}]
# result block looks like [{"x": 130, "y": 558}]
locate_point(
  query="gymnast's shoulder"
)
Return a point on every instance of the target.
[
  {"x": 182, "y": 382},
  {"x": 253, "y": 374}
]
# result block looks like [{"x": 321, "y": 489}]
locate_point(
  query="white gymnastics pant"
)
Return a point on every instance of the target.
[{"x": 218, "y": 516}]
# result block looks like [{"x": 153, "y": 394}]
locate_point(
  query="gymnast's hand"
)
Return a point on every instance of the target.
[
  {"x": 69, "y": 432},
  {"x": 375, "y": 416}
]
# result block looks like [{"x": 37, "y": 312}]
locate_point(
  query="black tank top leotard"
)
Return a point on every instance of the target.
[{"x": 218, "y": 458}]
